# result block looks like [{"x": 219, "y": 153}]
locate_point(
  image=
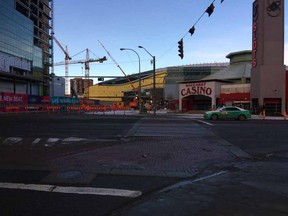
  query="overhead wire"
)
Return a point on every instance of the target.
[{"x": 193, "y": 26}]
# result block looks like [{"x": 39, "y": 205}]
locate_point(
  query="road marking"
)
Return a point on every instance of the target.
[
  {"x": 207, "y": 123},
  {"x": 51, "y": 142},
  {"x": 73, "y": 190},
  {"x": 36, "y": 141},
  {"x": 189, "y": 182},
  {"x": 210, "y": 176},
  {"x": 74, "y": 139},
  {"x": 12, "y": 140}
]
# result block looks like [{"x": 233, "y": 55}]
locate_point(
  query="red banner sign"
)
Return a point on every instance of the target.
[{"x": 13, "y": 98}]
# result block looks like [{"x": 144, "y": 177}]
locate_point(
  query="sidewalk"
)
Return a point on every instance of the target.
[{"x": 257, "y": 189}]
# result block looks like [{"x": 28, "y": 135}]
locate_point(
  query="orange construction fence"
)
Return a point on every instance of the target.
[{"x": 62, "y": 108}]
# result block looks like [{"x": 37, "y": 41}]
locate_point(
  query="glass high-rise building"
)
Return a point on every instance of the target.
[{"x": 25, "y": 46}]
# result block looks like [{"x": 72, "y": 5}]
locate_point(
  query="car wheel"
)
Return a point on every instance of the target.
[
  {"x": 242, "y": 117},
  {"x": 214, "y": 117}
]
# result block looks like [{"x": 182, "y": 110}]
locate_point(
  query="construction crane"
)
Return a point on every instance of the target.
[
  {"x": 133, "y": 103},
  {"x": 85, "y": 62},
  {"x": 118, "y": 65},
  {"x": 67, "y": 58}
]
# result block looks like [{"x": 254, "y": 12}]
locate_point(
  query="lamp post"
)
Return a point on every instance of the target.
[
  {"x": 139, "y": 77},
  {"x": 154, "y": 79}
]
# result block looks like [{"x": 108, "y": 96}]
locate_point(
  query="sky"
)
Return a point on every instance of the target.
[{"x": 156, "y": 25}]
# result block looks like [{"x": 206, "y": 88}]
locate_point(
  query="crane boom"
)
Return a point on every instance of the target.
[
  {"x": 118, "y": 66},
  {"x": 101, "y": 60},
  {"x": 62, "y": 48},
  {"x": 67, "y": 58}
]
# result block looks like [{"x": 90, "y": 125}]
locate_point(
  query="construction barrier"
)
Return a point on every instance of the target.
[
  {"x": 12, "y": 109},
  {"x": 63, "y": 108},
  {"x": 53, "y": 109},
  {"x": 73, "y": 109},
  {"x": 32, "y": 108}
]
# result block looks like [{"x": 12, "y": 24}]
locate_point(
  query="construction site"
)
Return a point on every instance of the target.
[{"x": 28, "y": 78}]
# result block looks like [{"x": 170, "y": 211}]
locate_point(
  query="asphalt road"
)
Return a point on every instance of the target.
[
  {"x": 28, "y": 141},
  {"x": 28, "y": 138},
  {"x": 64, "y": 125},
  {"x": 257, "y": 137}
]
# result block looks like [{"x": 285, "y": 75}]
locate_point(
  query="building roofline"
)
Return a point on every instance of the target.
[
  {"x": 199, "y": 81},
  {"x": 239, "y": 53}
]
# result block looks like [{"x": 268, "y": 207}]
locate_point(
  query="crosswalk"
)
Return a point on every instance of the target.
[
  {"x": 72, "y": 190},
  {"x": 166, "y": 127},
  {"x": 47, "y": 142}
]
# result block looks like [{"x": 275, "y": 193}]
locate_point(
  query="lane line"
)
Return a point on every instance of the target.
[
  {"x": 190, "y": 182},
  {"x": 72, "y": 190},
  {"x": 204, "y": 122},
  {"x": 210, "y": 176}
]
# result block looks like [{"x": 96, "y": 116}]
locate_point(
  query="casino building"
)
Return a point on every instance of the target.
[
  {"x": 228, "y": 86},
  {"x": 196, "y": 88},
  {"x": 254, "y": 79}
]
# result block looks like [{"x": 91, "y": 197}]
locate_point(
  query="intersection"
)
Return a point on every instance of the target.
[{"x": 152, "y": 156}]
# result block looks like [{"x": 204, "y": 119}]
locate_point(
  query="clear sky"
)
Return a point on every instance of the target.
[{"x": 156, "y": 25}]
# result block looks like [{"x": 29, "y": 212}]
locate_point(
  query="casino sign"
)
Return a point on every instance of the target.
[
  {"x": 196, "y": 89},
  {"x": 211, "y": 89}
]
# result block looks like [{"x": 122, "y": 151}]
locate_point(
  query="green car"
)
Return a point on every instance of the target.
[{"x": 228, "y": 113}]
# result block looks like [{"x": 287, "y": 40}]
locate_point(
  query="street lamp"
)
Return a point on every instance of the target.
[
  {"x": 154, "y": 82},
  {"x": 139, "y": 77}
]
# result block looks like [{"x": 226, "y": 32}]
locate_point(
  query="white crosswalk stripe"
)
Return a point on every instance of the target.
[
  {"x": 36, "y": 141},
  {"x": 72, "y": 190},
  {"x": 49, "y": 142},
  {"x": 12, "y": 140}
]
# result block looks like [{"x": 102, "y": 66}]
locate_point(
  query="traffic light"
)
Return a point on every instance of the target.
[
  {"x": 210, "y": 9},
  {"x": 180, "y": 50},
  {"x": 192, "y": 30}
]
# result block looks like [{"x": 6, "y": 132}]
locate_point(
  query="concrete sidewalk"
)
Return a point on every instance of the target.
[{"x": 257, "y": 189}]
